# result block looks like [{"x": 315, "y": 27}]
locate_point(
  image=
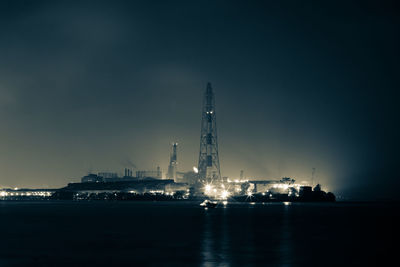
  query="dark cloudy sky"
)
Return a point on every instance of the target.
[{"x": 97, "y": 85}]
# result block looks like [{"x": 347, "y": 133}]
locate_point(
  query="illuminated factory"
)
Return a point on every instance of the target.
[
  {"x": 205, "y": 181},
  {"x": 212, "y": 184}
]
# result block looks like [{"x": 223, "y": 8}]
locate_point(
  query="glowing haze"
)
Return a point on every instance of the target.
[{"x": 103, "y": 85}]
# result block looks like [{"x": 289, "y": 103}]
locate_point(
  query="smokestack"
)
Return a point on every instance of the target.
[
  {"x": 173, "y": 163},
  {"x": 159, "y": 172}
]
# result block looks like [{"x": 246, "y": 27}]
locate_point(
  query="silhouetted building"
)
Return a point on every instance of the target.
[
  {"x": 153, "y": 174},
  {"x": 305, "y": 191},
  {"x": 92, "y": 178},
  {"x": 262, "y": 186},
  {"x": 187, "y": 177},
  {"x": 127, "y": 172},
  {"x": 147, "y": 185},
  {"x": 108, "y": 174},
  {"x": 287, "y": 180}
]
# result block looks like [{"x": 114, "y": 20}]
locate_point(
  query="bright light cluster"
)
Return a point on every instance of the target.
[
  {"x": 154, "y": 192},
  {"x": 208, "y": 188},
  {"x": 237, "y": 181},
  {"x": 281, "y": 186},
  {"x": 217, "y": 192},
  {"x": 224, "y": 194},
  {"x": 35, "y": 193},
  {"x": 287, "y": 186}
]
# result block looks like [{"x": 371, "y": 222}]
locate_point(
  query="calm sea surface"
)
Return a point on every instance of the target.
[{"x": 183, "y": 233}]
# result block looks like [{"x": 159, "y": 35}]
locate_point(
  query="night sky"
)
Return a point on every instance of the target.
[{"x": 103, "y": 85}]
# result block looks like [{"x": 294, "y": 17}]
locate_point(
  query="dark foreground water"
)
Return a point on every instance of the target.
[{"x": 178, "y": 233}]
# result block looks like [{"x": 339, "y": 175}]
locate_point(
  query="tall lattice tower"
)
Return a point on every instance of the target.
[
  {"x": 209, "y": 170},
  {"x": 173, "y": 163}
]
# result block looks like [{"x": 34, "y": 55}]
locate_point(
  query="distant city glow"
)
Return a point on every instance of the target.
[
  {"x": 26, "y": 193},
  {"x": 156, "y": 191}
]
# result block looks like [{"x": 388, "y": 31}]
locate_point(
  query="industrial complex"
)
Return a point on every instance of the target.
[{"x": 203, "y": 182}]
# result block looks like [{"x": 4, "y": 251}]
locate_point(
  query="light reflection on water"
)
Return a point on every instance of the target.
[
  {"x": 207, "y": 244},
  {"x": 285, "y": 247},
  {"x": 215, "y": 242},
  {"x": 174, "y": 234},
  {"x": 290, "y": 234},
  {"x": 219, "y": 246}
]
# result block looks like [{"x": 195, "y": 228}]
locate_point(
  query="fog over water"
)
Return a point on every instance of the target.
[{"x": 101, "y": 85}]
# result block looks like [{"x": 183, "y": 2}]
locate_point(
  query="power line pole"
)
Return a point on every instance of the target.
[{"x": 209, "y": 170}]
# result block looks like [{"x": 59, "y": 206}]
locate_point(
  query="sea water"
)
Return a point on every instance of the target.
[{"x": 57, "y": 233}]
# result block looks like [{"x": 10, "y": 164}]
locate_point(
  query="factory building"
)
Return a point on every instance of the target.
[
  {"x": 189, "y": 177},
  {"x": 153, "y": 174},
  {"x": 108, "y": 175},
  {"x": 127, "y": 173},
  {"x": 148, "y": 185},
  {"x": 276, "y": 186},
  {"x": 92, "y": 178},
  {"x": 175, "y": 187}
]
